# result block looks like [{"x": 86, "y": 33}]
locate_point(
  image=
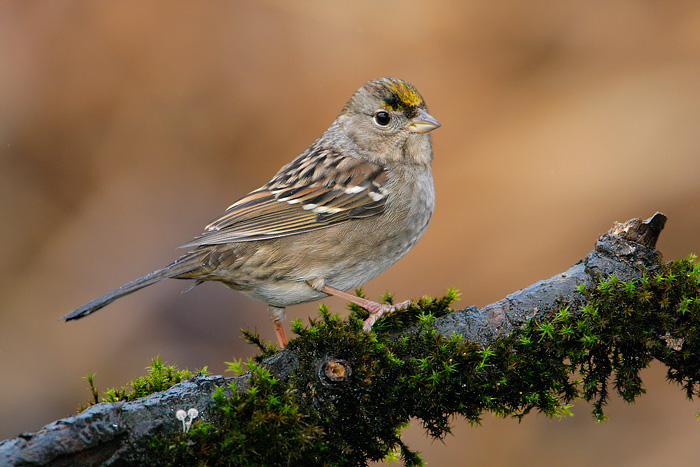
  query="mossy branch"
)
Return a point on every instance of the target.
[{"x": 339, "y": 396}]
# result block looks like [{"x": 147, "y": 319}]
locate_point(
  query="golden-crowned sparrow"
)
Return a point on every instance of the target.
[{"x": 342, "y": 212}]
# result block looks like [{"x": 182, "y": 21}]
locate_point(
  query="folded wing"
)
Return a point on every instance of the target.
[{"x": 318, "y": 189}]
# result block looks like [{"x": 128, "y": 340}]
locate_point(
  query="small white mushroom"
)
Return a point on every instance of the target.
[
  {"x": 187, "y": 418},
  {"x": 182, "y": 415}
]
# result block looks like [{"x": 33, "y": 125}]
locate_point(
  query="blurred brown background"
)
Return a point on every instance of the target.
[{"x": 126, "y": 126}]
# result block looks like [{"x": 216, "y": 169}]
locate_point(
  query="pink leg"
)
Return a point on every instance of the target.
[
  {"x": 277, "y": 318},
  {"x": 281, "y": 336}
]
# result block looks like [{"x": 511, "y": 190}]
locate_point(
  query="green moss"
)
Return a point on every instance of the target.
[
  {"x": 404, "y": 369},
  {"x": 159, "y": 378},
  {"x": 258, "y": 426},
  {"x": 625, "y": 325},
  {"x": 305, "y": 422}
]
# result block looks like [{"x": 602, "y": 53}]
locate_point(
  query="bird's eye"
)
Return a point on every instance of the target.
[{"x": 382, "y": 118}]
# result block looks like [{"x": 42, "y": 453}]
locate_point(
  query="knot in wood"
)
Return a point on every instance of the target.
[{"x": 334, "y": 372}]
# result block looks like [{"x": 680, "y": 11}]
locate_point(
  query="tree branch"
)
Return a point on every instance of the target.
[
  {"x": 624, "y": 251},
  {"x": 119, "y": 433}
]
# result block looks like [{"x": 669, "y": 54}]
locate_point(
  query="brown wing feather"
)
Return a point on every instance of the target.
[{"x": 316, "y": 190}]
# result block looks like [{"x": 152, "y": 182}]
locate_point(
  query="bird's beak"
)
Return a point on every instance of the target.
[{"x": 423, "y": 123}]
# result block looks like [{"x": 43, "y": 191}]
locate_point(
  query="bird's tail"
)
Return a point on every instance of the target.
[{"x": 185, "y": 264}]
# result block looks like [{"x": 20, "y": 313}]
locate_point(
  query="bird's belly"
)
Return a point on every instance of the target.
[{"x": 283, "y": 293}]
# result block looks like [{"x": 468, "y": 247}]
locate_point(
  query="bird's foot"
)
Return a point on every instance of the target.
[{"x": 377, "y": 310}]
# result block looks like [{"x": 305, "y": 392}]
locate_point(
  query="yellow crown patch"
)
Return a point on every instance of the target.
[{"x": 403, "y": 95}]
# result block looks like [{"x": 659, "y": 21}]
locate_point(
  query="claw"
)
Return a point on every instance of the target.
[{"x": 377, "y": 310}]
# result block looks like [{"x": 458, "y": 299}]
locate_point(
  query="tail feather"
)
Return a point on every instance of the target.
[{"x": 183, "y": 265}]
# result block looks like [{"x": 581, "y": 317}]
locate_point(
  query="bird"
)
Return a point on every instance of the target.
[{"x": 343, "y": 211}]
